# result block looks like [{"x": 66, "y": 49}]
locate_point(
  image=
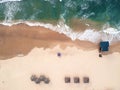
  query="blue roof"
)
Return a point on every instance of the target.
[{"x": 104, "y": 45}]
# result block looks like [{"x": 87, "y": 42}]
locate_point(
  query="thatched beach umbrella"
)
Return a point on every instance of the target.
[
  {"x": 33, "y": 77},
  {"x": 67, "y": 80},
  {"x": 76, "y": 80},
  {"x": 37, "y": 81},
  {"x": 42, "y": 77},
  {"x": 46, "y": 80},
  {"x": 86, "y": 79}
]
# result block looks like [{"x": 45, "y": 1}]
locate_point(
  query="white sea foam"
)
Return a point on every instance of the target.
[
  {"x": 109, "y": 34},
  {"x": 90, "y": 35},
  {"x": 85, "y": 16},
  {"x": 84, "y": 6},
  {"x": 3, "y": 1},
  {"x": 70, "y": 4},
  {"x": 11, "y": 8},
  {"x": 111, "y": 31}
]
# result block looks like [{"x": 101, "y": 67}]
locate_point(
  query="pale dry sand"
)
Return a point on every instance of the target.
[
  {"x": 28, "y": 50},
  {"x": 103, "y": 72}
]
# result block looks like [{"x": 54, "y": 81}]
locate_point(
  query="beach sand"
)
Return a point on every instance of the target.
[{"x": 26, "y": 50}]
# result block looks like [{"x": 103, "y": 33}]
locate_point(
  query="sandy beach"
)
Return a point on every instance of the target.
[{"x": 26, "y": 50}]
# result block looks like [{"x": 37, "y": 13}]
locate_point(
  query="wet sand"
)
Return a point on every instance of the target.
[
  {"x": 26, "y": 50},
  {"x": 21, "y": 39}
]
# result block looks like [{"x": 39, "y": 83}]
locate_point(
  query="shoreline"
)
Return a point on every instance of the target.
[
  {"x": 21, "y": 39},
  {"x": 83, "y": 30}
]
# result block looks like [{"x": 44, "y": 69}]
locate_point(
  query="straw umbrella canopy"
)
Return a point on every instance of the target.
[
  {"x": 37, "y": 81},
  {"x": 33, "y": 77},
  {"x": 42, "y": 77},
  {"x": 46, "y": 80}
]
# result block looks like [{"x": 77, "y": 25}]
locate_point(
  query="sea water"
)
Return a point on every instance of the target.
[{"x": 103, "y": 13}]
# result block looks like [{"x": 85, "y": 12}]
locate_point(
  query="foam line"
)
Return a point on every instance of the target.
[
  {"x": 109, "y": 34},
  {"x": 3, "y": 1}
]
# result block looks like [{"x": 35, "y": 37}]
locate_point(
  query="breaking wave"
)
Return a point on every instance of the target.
[
  {"x": 10, "y": 10},
  {"x": 3, "y": 1}
]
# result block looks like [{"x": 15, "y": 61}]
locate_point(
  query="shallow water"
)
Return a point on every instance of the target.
[
  {"x": 105, "y": 11},
  {"x": 66, "y": 16}
]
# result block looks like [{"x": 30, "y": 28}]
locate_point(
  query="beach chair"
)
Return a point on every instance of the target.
[
  {"x": 67, "y": 80},
  {"x": 85, "y": 79},
  {"x": 76, "y": 80}
]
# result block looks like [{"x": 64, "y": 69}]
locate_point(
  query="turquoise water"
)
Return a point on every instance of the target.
[{"x": 105, "y": 11}]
